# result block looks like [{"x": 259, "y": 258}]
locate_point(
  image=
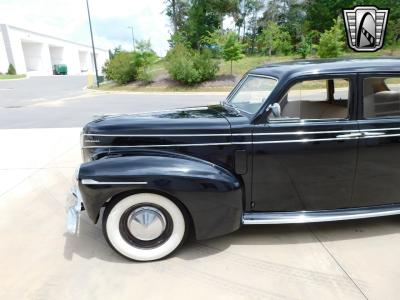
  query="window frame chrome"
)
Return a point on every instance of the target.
[
  {"x": 240, "y": 84},
  {"x": 351, "y": 109},
  {"x": 361, "y": 78}
]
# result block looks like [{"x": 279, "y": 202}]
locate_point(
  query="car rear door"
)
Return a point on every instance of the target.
[{"x": 377, "y": 180}]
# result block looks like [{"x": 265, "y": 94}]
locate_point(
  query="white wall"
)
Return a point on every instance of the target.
[
  {"x": 35, "y": 53},
  {"x": 56, "y": 55},
  {"x": 3, "y": 56}
]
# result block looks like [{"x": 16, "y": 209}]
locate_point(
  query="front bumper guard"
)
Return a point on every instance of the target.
[{"x": 74, "y": 207}]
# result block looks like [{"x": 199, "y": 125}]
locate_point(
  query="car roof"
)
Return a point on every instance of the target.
[{"x": 328, "y": 66}]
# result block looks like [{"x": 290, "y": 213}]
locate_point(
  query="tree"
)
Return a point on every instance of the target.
[
  {"x": 116, "y": 50},
  {"x": 223, "y": 8},
  {"x": 246, "y": 12},
  {"x": 232, "y": 49},
  {"x": 304, "y": 47},
  {"x": 393, "y": 35},
  {"x": 331, "y": 41},
  {"x": 255, "y": 8},
  {"x": 320, "y": 14},
  {"x": 177, "y": 11},
  {"x": 274, "y": 39},
  {"x": 202, "y": 19},
  {"x": 11, "y": 70}
]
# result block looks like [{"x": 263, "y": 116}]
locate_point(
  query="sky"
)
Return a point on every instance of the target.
[{"x": 110, "y": 19}]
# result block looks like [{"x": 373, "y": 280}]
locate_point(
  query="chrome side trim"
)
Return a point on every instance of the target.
[
  {"x": 156, "y": 146},
  {"x": 243, "y": 134},
  {"x": 305, "y": 140},
  {"x": 95, "y": 182},
  {"x": 307, "y": 132},
  {"x": 158, "y": 135},
  {"x": 381, "y": 129},
  {"x": 380, "y": 136},
  {"x": 221, "y": 144},
  {"x": 258, "y": 218}
]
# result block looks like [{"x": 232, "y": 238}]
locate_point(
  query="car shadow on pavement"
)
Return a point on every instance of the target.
[
  {"x": 90, "y": 243},
  {"x": 290, "y": 234}
]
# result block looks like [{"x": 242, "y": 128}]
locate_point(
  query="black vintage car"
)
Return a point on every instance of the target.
[{"x": 294, "y": 142}]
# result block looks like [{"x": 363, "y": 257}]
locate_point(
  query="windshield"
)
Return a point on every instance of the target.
[{"x": 253, "y": 92}]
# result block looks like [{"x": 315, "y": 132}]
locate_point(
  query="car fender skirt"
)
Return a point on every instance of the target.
[{"x": 211, "y": 194}]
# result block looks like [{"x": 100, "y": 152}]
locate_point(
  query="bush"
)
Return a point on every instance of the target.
[
  {"x": 284, "y": 45},
  {"x": 331, "y": 41},
  {"x": 304, "y": 47},
  {"x": 190, "y": 66},
  {"x": 143, "y": 60},
  {"x": 11, "y": 70},
  {"x": 122, "y": 68}
]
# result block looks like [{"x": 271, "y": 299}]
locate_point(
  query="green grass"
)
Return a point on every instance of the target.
[
  {"x": 5, "y": 76},
  {"x": 240, "y": 67}
]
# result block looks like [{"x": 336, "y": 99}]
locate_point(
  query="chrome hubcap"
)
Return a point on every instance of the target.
[{"x": 146, "y": 223}]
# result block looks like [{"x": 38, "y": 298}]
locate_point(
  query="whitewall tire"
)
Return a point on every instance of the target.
[{"x": 144, "y": 226}]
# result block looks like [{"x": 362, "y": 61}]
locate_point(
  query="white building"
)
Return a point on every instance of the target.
[{"x": 34, "y": 53}]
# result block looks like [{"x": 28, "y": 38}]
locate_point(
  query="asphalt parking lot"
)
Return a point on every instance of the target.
[
  {"x": 39, "y": 260},
  {"x": 59, "y": 102}
]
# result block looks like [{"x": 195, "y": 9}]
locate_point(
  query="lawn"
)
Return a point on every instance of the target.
[
  {"x": 224, "y": 82},
  {"x": 5, "y": 76}
]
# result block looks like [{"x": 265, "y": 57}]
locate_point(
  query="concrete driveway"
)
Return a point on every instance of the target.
[{"x": 38, "y": 260}]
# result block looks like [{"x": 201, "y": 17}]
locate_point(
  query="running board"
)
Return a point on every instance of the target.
[{"x": 254, "y": 218}]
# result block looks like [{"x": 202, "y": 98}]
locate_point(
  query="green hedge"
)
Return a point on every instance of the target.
[{"x": 191, "y": 66}]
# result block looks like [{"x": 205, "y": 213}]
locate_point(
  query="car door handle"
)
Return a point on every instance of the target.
[
  {"x": 375, "y": 133},
  {"x": 350, "y": 135}
]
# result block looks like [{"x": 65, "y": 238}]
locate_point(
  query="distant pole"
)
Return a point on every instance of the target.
[
  {"x": 133, "y": 38},
  {"x": 94, "y": 51}
]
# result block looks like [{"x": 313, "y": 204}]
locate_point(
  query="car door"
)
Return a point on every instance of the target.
[
  {"x": 305, "y": 159},
  {"x": 377, "y": 180}
]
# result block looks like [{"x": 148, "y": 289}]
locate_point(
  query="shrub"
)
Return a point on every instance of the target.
[
  {"x": 11, "y": 70},
  {"x": 304, "y": 47},
  {"x": 331, "y": 41},
  {"x": 122, "y": 68},
  {"x": 190, "y": 66},
  {"x": 284, "y": 45},
  {"x": 143, "y": 60},
  {"x": 207, "y": 66}
]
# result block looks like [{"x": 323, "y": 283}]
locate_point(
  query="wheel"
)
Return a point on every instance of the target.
[{"x": 144, "y": 226}]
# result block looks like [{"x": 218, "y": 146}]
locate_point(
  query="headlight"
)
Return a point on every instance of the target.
[
  {"x": 81, "y": 139},
  {"x": 81, "y": 142}
]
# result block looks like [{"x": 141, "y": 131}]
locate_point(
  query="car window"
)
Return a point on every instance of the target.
[
  {"x": 381, "y": 97},
  {"x": 253, "y": 92},
  {"x": 315, "y": 100}
]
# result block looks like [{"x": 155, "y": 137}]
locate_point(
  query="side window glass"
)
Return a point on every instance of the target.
[
  {"x": 315, "y": 100},
  {"x": 381, "y": 97}
]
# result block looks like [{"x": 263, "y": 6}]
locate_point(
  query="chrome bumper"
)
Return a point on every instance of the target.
[{"x": 74, "y": 207}]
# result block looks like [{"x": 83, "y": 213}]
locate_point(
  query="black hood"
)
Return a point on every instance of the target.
[
  {"x": 167, "y": 130},
  {"x": 196, "y": 120}
]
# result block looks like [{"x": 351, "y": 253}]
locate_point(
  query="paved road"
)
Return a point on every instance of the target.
[
  {"x": 15, "y": 93},
  {"x": 46, "y": 102}
]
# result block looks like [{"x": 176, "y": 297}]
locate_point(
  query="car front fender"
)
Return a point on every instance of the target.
[{"x": 212, "y": 195}]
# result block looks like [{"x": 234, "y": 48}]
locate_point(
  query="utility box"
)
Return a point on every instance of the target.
[{"x": 60, "y": 69}]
